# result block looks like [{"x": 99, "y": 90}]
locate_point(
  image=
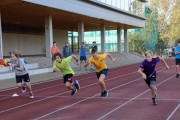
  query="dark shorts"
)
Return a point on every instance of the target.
[
  {"x": 151, "y": 80},
  {"x": 22, "y": 77},
  {"x": 104, "y": 71},
  {"x": 68, "y": 78},
  {"x": 83, "y": 58},
  {"x": 177, "y": 61},
  {"x": 53, "y": 59}
]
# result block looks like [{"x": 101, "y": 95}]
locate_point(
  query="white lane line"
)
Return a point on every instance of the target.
[
  {"x": 132, "y": 99},
  {"x": 89, "y": 98},
  {"x": 63, "y": 93},
  {"x": 114, "y": 78},
  {"x": 63, "y": 83},
  {"x": 84, "y": 100},
  {"x": 170, "y": 116}
]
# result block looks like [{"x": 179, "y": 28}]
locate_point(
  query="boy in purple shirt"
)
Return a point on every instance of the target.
[{"x": 148, "y": 72}]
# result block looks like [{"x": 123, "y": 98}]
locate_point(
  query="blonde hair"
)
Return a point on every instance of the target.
[{"x": 148, "y": 52}]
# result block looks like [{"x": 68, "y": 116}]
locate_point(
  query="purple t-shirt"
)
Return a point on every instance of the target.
[{"x": 149, "y": 67}]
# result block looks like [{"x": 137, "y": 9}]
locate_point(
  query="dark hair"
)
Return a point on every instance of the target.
[
  {"x": 94, "y": 41},
  {"x": 93, "y": 51},
  {"x": 58, "y": 54},
  {"x": 54, "y": 42},
  {"x": 82, "y": 43},
  {"x": 16, "y": 53}
]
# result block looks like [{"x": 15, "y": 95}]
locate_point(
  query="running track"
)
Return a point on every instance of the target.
[{"x": 129, "y": 98}]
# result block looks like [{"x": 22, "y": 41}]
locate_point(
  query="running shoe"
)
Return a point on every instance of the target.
[
  {"x": 76, "y": 84},
  {"x": 73, "y": 92},
  {"x": 177, "y": 75},
  {"x": 105, "y": 94},
  {"x": 102, "y": 94},
  {"x": 154, "y": 102},
  {"x": 23, "y": 90},
  {"x": 31, "y": 96}
]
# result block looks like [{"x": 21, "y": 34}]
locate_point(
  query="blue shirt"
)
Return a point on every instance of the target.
[
  {"x": 19, "y": 63},
  {"x": 177, "y": 49},
  {"x": 66, "y": 51},
  {"x": 149, "y": 67},
  {"x": 83, "y": 51}
]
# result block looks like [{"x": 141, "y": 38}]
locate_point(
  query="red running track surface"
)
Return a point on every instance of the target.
[{"x": 129, "y": 98}]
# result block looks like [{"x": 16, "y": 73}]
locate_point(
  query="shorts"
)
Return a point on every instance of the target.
[
  {"x": 104, "y": 71},
  {"x": 22, "y": 77},
  {"x": 68, "y": 78},
  {"x": 151, "y": 80},
  {"x": 83, "y": 58},
  {"x": 177, "y": 61}
]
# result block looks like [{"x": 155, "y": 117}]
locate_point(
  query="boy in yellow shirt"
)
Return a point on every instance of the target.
[{"x": 98, "y": 60}]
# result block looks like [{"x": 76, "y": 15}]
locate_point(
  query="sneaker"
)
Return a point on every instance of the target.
[
  {"x": 177, "y": 75},
  {"x": 104, "y": 94},
  {"x": 31, "y": 96},
  {"x": 73, "y": 92},
  {"x": 76, "y": 84},
  {"x": 154, "y": 102},
  {"x": 15, "y": 95},
  {"x": 23, "y": 90}
]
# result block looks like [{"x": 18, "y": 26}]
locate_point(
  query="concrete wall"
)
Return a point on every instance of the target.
[
  {"x": 60, "y": 36},
  {"x": 31, "y": 44}
]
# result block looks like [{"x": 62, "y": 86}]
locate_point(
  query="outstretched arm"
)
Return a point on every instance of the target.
[
  {"x": 167, "y": 66},
  {"x": 86, "y": 64},
  {"x": 75, "y": 58},
  {"x": 111, "y": 57}
]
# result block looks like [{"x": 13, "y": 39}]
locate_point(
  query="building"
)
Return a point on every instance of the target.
[{"x": 31, "y": 26}]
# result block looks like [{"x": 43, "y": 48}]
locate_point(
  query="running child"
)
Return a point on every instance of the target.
[
  {"x": 62, "y": 64},
  {"x": 21, "y": 72},
  {"x": 98, "y": 60},
  {"x": 177, "y": 53},
  {"x": 148, "y": 72}
]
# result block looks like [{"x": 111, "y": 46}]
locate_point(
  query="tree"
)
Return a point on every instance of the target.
[
  {"x": 136, "y": 43},
  {"x": 160, "y": 46}
]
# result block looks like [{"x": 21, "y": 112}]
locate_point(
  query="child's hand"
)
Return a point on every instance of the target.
[
  {"x": 144, "y": 76},
  {"x": 78, "y": 62},
  {"x": 113, "y": 60}
]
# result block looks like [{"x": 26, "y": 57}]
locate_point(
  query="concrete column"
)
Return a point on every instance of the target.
[
  {"x": 48, "y": 35},
  {"x": 80, "y": 33},
  {"x": 119, "y": 39},
  {"x": 126, "y": 49},
  {"x": 103, "y": 39},
  {"x": 1, "y": 43}
]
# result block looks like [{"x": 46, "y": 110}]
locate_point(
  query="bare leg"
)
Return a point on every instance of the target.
[
  {"x": 19, "y": 85},
  {"x": 69, "y": 85},
  {"x": 102, "y": 83},
  {"x": 153, "y": 90},
  {"x": 177, "y": 69},
  {"x": 29, "y": 87}
]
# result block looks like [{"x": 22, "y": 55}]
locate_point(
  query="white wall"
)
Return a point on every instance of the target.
[{"x": 31, "y": 44}]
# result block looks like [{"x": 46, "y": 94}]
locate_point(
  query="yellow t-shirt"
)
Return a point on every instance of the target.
[{"x": 99, "y": 63}]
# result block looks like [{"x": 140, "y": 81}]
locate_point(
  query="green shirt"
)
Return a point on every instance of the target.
[{"x": 64, "y": 65}]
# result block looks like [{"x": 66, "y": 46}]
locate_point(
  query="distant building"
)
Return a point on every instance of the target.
[{"x": 31, "y": 26}]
